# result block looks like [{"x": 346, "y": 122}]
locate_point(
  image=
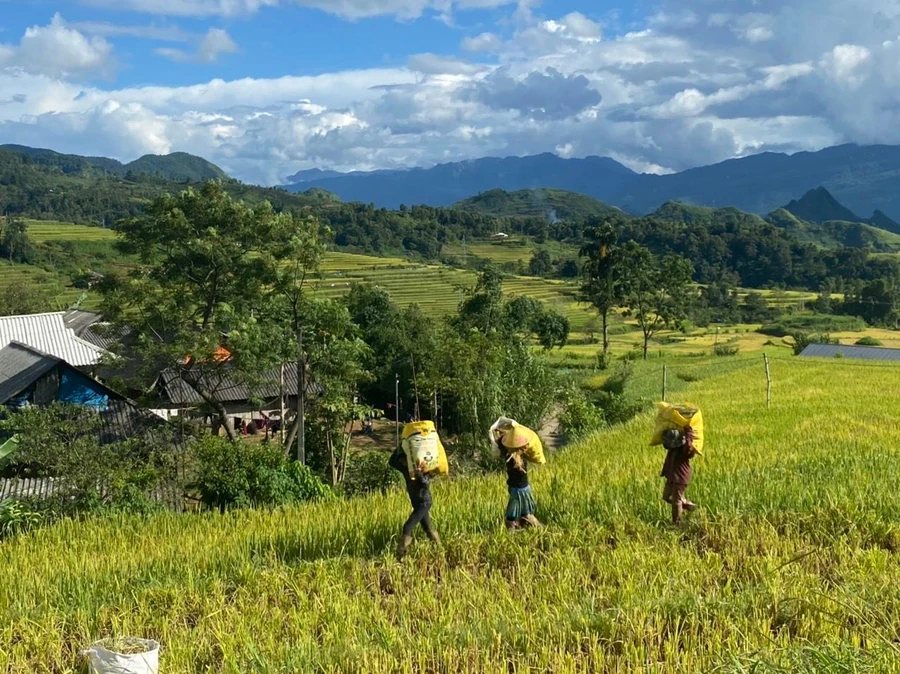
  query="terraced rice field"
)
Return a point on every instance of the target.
[
  {"x": 791, "y": 565},
  {"x": 436, "y": 288},
  {"x": 41, "y": 231}
]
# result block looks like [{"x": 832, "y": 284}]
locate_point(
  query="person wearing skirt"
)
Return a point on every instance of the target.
[{"x": 521, "y": 505}]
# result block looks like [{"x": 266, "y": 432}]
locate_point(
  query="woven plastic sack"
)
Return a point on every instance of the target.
[
  {"x": 678, "y": 416},
  {"x": 421, "y": 442},
  {"x": 124, "y": 656}
]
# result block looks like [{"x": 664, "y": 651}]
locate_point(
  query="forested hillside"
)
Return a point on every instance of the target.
[
  {"x": 727, "y": 243},
  {"x": 545, "y": 203}
]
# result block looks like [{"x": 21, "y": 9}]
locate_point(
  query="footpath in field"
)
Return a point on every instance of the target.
[{"x": 790, "y": 566}]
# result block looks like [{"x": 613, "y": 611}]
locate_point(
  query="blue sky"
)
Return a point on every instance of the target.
[
  {"x": 288, "y": 39},
  {"x": 268, "y": 87}
]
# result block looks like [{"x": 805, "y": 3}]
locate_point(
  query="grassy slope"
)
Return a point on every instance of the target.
[{"x": 791, "y": 561}]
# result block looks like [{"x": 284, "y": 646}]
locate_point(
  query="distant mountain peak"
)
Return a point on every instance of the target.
[
  {"x": 818, "y": 205},
  {"x": 882, "y": 221},
  {"x": 178, "y": 166}
]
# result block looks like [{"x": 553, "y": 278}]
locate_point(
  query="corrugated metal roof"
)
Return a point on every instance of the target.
[
  {"x": 851, "y": 351},
  {"x": 78, "y": 320},
  {"x": 48, "y": 333},
  {"x": 169, "y": 494}
]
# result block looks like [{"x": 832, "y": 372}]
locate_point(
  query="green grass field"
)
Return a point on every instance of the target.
[{"x": 791, "y": 565}]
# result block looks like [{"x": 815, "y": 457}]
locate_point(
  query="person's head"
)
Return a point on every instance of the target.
[{"x": 672, "y": 438}]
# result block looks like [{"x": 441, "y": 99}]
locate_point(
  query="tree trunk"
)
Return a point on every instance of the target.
[
  {"x": 209, "y": 398},
  {"x": 291, "y": 436},
  {"x": 606, "y": 332},
  {"x": 332, "y": 461},
  {"x": 646, "y": 343},
  {"x": 345, "y": 455},
  {"x": 301, "y": 402}
]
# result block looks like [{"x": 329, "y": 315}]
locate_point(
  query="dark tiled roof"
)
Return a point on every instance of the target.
[
  {"x": 227, "y": 390},
  {"x": 852, "y": 352}
]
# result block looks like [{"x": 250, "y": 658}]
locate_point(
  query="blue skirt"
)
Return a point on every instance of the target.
[{"x": 521, "y": 503}]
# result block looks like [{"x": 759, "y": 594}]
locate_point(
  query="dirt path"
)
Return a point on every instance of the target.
[{"x": 551, "y": 433}]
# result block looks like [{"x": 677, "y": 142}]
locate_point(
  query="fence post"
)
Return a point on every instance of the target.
[
  {"x": 768, "y": 382},
  {"x": 665, "y": 382}
]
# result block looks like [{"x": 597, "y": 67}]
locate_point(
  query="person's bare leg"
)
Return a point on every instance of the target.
[{"x": 676, "y": 512}]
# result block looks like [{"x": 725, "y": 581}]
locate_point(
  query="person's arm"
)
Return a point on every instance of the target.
[
  {"x": 398, "y": 460},
  {"x": 689, "y": 442}
]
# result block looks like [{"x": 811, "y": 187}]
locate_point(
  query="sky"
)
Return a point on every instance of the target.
[{"x": 266, "y": 88}]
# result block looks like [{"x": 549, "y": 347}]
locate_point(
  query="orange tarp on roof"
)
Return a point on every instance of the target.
[{"x": 222, "y": 354}]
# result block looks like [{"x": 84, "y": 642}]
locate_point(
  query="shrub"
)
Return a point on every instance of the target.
[
  {"x": 868, "y": 341},
  {"x": 617, "y": 409},
  {"x": 237, "y": 474},
  {"x": 603, "y": 360},
  {"x": 616, "y": 383},
  {"x": 802, "y": 340},
  {"x": 726, "y": 350},
  {"x": 580, "y": 416},
  {"x": 687, "y": 377},
  {"x": 368, "y": 473},
  {"x": 19, "y": 516},
  {"x": 812, "y": 323}
]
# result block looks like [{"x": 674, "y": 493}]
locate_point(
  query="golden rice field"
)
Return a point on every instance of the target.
[{"x": 791, "y": 565}]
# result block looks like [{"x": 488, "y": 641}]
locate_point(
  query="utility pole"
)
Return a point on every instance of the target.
[
  {"x": 665, "y": 382},
  {"x": 397, "y": 409}
]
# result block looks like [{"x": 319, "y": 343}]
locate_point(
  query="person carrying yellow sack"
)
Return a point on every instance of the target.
[
  {"x": 420, "y": 457},
  {"x": 679, "y": 429},
  {"x": 518, "y": 446}
]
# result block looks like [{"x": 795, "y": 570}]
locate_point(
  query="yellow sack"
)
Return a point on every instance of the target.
[
  {"x": 522, "y": 439},
  {"x": 421, "y": 442},
  {"x": 678, "y": 416}
]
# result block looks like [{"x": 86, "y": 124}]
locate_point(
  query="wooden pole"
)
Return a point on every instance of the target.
[
  {"x": 397, "y": 409},
  {"x": 768, "y": 382},
  {"x": 665, "y": 382},
  {"x": 281, "y": 403}
]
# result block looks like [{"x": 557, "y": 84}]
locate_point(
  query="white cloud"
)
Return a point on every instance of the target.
[
  {"x": 433, "y": 64},
  {"x": 58, "y": 50},
  {"x": 485, "y": 42},
  {"x": 215, "y": 43},
  {"x": 150, "y": 32},
  {"x": 700, "y": 82}
]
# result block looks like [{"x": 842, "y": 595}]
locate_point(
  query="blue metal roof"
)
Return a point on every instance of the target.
[{"x": 850, "y": 351}]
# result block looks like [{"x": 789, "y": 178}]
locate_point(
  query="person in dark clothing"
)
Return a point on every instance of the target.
[
  {"x": 677, "y": 470},
  {"x": 419, "y": 489},
  {"x": 521, "y": 505}
]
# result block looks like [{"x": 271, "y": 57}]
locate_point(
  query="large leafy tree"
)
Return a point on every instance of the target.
[
  {"x": 656, "y": 289},
  {"x": 603, "y": 270},
  {"x": 199, "y": 305},
  {"x": 300, "y": 252}
]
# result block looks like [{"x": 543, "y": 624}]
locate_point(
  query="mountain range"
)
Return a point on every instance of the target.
[
  {"x": 816, "y": 218},
  {"x": 861, "y": 177},
  {"x": 177, "y": 167}
]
